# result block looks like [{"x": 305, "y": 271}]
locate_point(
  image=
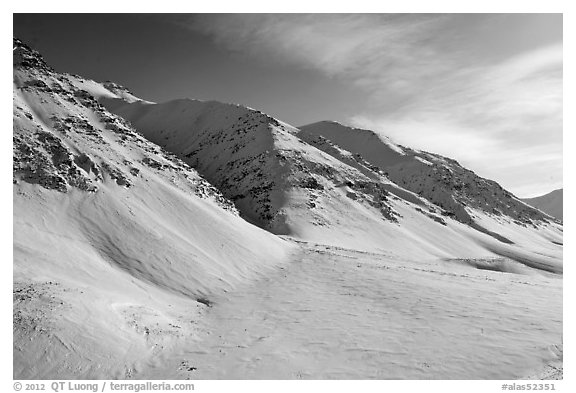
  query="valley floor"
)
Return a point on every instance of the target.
[{"x": 342, "y": 314}]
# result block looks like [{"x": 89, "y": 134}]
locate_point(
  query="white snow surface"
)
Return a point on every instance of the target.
[
  {"x": 262, "y": 164},
  {"x": 128, "y": 264},
  {"x": 337, "y": 313},
  {"x": 118, "y": 247},
  {"x": 106, "y": 90}
]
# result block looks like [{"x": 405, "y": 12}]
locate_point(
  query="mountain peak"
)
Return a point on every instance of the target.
[
  {"x": 24, "y": 56},
  {"x": 115, "y": 87}
]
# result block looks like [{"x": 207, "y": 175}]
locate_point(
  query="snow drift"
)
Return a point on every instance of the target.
[
  {"x": 193, "y": 239},
  {"x": 98, "y": 207}
]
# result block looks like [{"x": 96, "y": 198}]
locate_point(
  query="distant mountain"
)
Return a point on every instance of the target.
[{"x": 551, "y": 203}]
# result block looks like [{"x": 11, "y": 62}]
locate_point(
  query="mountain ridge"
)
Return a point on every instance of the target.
[
  {"x": 99, "y": 207},
  {"x": 315, "y": 176},
  {"x": 191, "y": 239},
  {"x": 448, "y": 177}
]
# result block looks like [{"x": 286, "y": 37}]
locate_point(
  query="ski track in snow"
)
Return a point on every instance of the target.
[{"x": 337, "y": 314}]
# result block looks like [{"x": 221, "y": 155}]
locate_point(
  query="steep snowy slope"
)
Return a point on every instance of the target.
[
  {"x": 479, "y": 203},
  {"x": 114, "y": 239},
  {"x": 551, "y": 203},
  {"x": 128, "y": 264},
  {"x": 296, "y": 182},
  {"x": 289, "y": 187}
]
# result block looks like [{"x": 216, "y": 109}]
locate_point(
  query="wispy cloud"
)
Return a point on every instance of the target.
[
  {"x": 504, "y": 120},
  {"x": 433, "y": 81},
  {"x": 367, "y": 49}
]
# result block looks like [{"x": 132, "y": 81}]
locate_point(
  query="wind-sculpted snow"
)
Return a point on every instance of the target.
[
  {"x": 99, "y": 207},
  {"x": 337, "y": 313},
  {"x": 135, "y": 253}
]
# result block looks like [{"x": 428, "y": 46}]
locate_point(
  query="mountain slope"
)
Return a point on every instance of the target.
[
  {"x": 551, "y": 203},
  {"x": 440, "y": 180},
  {"x": 280, "y": 182},
  {"x": 126, "y": 237},
  {"x": 292, "y": 181},
  {"x": 128, "y": 263}
]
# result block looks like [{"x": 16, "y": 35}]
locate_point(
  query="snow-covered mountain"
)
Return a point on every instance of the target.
[
  {"x": 328, "y": 183},
  {"x": 438, "y": 179},
  {"x": 551, "y": 203},
  {"x": 96, "y": 202},
  {"x": 134, "y": 219}
]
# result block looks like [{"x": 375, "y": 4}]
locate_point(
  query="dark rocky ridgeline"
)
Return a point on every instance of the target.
[
  {"x": 231, "y": 146},
  {"x": 63, "y": 138},
  {"x": 440, "y": 180},
  {"x": 115, "y": 87},
  {"x": 452, "y": 187},
  {"x": 237, "y": 158},
  {"x": 26, "y": 57},
  {"x": 252, "y": 158},
  {"x": 235, "y": 149},
  {"x": 41, "y": 156}
]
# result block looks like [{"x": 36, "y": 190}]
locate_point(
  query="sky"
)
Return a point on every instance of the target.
[{"x": 485, "y": 89}]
